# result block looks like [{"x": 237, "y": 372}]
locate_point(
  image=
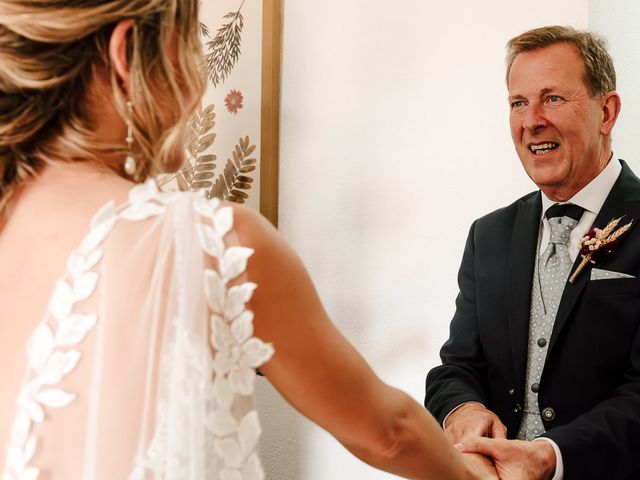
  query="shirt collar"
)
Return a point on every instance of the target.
[{"x": 592, "y": 195}]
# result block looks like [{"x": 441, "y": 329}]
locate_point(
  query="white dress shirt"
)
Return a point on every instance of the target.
[{"x": 591, "y": 198}]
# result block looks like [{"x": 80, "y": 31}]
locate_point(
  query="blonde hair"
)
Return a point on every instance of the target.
[
  {"x": 49, "y": 51},
  {"x": 599, "y": 72}
]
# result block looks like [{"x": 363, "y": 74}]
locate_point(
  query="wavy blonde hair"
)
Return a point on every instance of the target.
[{"x": 49, "y": 51}]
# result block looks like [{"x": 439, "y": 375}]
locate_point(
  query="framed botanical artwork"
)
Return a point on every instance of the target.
[{"x": 232, "y": 142}]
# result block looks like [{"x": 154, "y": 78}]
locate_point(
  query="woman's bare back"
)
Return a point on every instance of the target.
[{"x": 46, "y": 222}]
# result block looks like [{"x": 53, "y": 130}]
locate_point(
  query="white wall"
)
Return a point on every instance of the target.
[
  {"x": 618, "y": 23},
  {"x": 394, "y": 137}
]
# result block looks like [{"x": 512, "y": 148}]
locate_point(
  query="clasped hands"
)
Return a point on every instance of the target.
[{"x": 482, "y": 438}]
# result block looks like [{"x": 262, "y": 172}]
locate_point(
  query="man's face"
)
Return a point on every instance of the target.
[{"x": 556, "y": 125}]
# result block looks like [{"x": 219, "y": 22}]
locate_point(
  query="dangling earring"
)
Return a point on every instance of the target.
[{"x": 130, "y": 162}]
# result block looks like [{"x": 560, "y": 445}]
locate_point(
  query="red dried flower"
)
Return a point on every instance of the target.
[
  {"x": 233, "y": 101},
  {"x": 598, "y": 243}
]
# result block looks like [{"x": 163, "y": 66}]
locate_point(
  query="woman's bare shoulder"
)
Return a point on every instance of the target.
[
  {"x": 272, "y": 252},
  {"x": 251, "y": 227}
]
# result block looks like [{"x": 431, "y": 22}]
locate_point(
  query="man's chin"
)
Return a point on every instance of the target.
[
  {"x": 545, "y": 174},
  {"x": 549, "y": 182}
]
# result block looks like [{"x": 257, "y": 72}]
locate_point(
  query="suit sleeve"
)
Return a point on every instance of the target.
[
  {"x": 461, "y": 376},
  {"x": 605, "y": 441}
]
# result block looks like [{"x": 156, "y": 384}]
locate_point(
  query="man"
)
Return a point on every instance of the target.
[{"x": 546, "y": 368}]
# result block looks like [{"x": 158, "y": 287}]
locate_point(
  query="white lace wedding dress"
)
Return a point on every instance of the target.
[{"x": 144, "y": 365}]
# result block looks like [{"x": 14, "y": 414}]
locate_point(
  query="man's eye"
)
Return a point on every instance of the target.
[
  {"x": 554, "y": 98},
  {"x": 517, "y": 104}
]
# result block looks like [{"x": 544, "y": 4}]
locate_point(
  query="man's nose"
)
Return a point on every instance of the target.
[{"x": 534, "y": 118}]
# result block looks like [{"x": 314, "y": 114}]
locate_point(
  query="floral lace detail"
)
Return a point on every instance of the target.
[
  {"x": 237, "y": 354},
  {"x": 51, "y": 348}
]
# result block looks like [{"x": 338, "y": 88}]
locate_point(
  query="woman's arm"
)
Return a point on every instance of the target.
[{"x": 318, "y": 371}]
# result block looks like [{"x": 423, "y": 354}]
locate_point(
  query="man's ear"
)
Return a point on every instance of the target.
[
  {"x": 118, "y": 50},
  {"x": 610, "y": 109}
]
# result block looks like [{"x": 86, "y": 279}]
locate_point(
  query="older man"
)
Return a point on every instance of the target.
[{"x": 547, "y": 368}]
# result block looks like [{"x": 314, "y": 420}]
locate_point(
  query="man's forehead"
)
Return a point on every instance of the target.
[{"x": 557, "y": 66}]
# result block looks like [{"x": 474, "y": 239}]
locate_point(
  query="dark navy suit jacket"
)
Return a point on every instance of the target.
[{"x": 591, "y": 378}]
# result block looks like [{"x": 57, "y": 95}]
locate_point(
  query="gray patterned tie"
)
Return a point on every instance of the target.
[
  {"x": 552, "y": 271},
  {"x": 555, "y": 262}
]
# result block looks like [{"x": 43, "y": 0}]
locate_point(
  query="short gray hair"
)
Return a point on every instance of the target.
[{"x": 599, "y": 72}]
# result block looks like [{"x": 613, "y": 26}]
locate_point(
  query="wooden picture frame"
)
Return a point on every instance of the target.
[
  {"x": 270, "y": 133},
  {"x": 224, "y": 156}
]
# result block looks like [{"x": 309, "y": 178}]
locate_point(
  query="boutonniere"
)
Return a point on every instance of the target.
[{"x": 597, "y": 244}]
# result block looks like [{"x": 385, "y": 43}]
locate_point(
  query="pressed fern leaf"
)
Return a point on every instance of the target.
[
  {"x": 198, "y": 173},
  {"x": 224, "y": 49},
  {"x": 204, "y": 30},
  {"x": 198, "y": 169},
  {"x": 230, "y": 185}
]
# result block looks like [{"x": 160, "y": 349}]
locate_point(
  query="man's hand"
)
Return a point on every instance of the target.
[
  {"x": 473, "y": 420},
  {"x": 479, "y": 467},
  {"x": 515, "y": 459}
]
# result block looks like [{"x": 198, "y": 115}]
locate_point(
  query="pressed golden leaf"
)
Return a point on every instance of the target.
[
  {"x": 239, "y": 193},
  {"x": 203, "y": 176},
  {"x": 199, "y": 185},
  {"x": 249, "y": 150},
  {"x": 230, "y": 184},
  {"x": 204, "y": 129},
  {"x": 205, "y": 142},
  {"x": 207, "y": 138},
  {"x": 205, "y": 167},
  {"x": 193, "y": 148},
  {"x": 208, "y": 110},
  {"x": 206, "y": 158},
  {"x": 219, "y": 189}
]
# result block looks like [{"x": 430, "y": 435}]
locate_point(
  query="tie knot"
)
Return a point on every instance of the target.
[
  {"x": 561, "y": 229},
  {"x": 562, "y": 219},
  {"x": 564, "y": 210}
]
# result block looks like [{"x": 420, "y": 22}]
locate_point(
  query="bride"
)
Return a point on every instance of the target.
[{"x": 133, "y": 321}]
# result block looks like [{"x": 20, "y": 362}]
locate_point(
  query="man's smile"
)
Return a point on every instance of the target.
[{"x": 543, "y": 148}]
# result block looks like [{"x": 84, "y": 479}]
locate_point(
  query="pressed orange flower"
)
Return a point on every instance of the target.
[{"x": 233, "y": 101}]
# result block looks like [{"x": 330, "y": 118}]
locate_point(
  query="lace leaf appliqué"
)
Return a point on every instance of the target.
[
  {"x": 237, "y": 352},
  {"x": 219, "y": 380},
  {"x": 50, "y": 351}
]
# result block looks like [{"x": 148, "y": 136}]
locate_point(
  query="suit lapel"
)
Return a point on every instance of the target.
[
  {"x": 623, "y": 200},
  {"x": 521, "y": 264}
]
